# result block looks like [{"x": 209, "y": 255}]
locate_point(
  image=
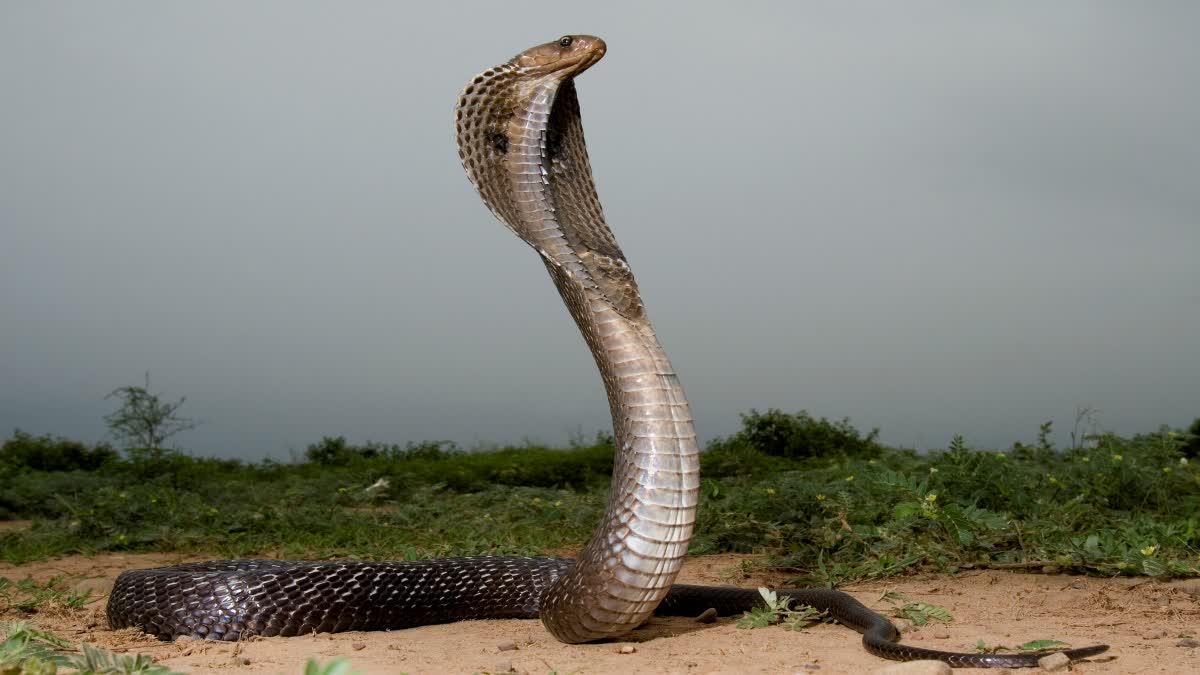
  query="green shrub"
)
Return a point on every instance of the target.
[
  {"x": 336, "y": 451},
  {"x": 50, "y": 453},
  {"x": 799, "y": 435},
  {"x": 1191, "y": 440}
]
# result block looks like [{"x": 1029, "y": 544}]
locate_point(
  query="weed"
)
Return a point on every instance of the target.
[
  {"x": 918, "y": 612},
  {"x": 25, "y": 650},
  {"x": 339, "y": 665},
  {"x": 777, "y": 610},
  {"x": 1031, "y": 646},
  {"x": 28, "y": 595}
]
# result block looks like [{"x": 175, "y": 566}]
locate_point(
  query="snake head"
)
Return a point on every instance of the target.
[{"x": 565, "y": 57}]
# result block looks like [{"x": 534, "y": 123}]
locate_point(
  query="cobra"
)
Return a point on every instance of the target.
[{"x": 520, "y": 138}]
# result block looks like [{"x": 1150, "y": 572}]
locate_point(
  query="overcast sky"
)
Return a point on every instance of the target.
[{"x": 934, "y": 218}]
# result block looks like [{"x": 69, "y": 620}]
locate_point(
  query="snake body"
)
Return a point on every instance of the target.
[{"x": 521, "y": 142}]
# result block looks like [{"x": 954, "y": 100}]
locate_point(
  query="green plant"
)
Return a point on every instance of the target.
[
  {"x": 339, "y": 665},
  {"x": 776, "y": 610},
  {"x": 1191, "y": 440},
  {"x": 103, "y": 662},
  {"x": 918, "y": 612},
  {"x": 1031, "y": 646},
  {"x": 25, "y": 650},
  {"x": 143, "y": 420},
  {"x": 775, "y": 432},
  {"x": 28, "y": 595},
  {"x": 49, "y": 453}
]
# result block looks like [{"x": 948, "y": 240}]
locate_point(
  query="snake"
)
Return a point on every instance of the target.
[{"x": 520, "y": 140}]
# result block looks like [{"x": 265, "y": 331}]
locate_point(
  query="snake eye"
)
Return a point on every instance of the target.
[{"x": 564, "y": 41}]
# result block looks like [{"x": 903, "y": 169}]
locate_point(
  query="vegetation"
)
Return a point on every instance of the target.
[
  {"x": 778, "y": 610},
  {"x": 821, "y": 499},
  {"x": 799, "y": 435},
  {"x": 842, "y": 508},
  {"x": 25, "y": 650},
  {"x": 144, "y": 421}
]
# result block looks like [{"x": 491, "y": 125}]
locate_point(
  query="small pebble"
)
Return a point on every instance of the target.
[
  {"x": 1054, "y": 662},
  {"x": 941, "y": 635},
  {"x": 243, "y": 661},
  {"x": 916, "y": 668},
  {"x": 707, "y": 616},
  {"x": 504, "y": 667},
  {"x": 1155, "y": 635},
  {"x": 359, "y": 646},
  {"x": 507, "y": 646},
  {"x": 626, "y": 649},
  {"x": 1188, "y": 643}
]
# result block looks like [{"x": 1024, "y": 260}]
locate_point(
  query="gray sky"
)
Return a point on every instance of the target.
[{"x": 934, "y": 218}]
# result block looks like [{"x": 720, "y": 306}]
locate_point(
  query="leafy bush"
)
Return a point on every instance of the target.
[
  {"x": 798, "y": 435},
  {"x": 1191, "y": 444},
  {"x": 49, "y": 453},
  {"x": 336, "y": 451}
]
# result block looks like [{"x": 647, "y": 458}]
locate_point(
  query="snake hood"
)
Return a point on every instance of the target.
[{"x": 520, "y": 138}]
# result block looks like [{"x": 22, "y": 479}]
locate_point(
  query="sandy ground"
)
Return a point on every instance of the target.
[{"x": 1142, "y": 619}]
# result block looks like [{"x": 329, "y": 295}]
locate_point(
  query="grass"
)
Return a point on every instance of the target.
[
  {"x": 821, "y": 500},
  {"x": 25, "y": 650},
  {"x": 28, "y": 595},
  {"x": 1118, "y": 506}
]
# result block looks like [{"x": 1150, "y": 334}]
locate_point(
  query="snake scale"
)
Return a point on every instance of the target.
[{"x": 521, "y": 142}]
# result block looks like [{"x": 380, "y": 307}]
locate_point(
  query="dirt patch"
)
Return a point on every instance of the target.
[{"x": 1142, "y": 619}]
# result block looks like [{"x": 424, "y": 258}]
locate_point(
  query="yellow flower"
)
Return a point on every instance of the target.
[
  {"x": 770, "y": 491},
  {"x": 1085, "y": 459},
  {"x": 871, "y": 461},
  {"x": 931, "y": 497},
  {"x": 933, "y": 469},
  {"x": 820, "y": 498},
  {"x": 849, "y": 478},
  {"x": 1149, "y": 550},
  {"x": 1052, "y": 479},
  {"x": 1116, "y": 458},
  {"x": 1166, "y": 469}
]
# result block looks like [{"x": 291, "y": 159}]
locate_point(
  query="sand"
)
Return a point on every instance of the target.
[{"x": 1144, "y": 620}]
